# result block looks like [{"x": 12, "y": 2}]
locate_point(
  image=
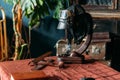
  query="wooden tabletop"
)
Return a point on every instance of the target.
[{"x": 95, "y": 70}]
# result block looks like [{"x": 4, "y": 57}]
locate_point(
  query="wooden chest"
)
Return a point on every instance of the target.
[{"x": 97, "y": 48}]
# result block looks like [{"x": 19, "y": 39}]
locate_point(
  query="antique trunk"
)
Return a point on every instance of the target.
[{"x": 98, "y": 47}]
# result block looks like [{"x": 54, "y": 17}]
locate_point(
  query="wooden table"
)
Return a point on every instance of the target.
[{"x": 95, "y": 70}]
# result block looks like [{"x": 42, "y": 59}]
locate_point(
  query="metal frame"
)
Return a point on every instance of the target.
[{"x": 3, "y": 37}]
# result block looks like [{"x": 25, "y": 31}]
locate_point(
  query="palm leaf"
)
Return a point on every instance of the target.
[{"x": 41, "y": 8}]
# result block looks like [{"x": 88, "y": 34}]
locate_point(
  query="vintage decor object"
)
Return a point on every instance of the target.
[{"x": 78, "y": 25}]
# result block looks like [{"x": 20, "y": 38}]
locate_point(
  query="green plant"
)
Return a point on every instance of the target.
[{"x": 35, "y": 11}]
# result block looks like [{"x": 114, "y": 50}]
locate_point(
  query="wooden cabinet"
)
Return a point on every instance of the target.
[
  {"x": 102, "y": 4},
  {"x": 106, "y": 15}
]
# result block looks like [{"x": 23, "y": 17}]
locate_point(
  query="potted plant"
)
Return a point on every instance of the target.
[{"x": 35, "y": 11}]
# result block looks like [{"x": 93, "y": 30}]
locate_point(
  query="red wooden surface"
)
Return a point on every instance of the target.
[
  {"x": 33, "y": 75},
  {"x": 95, "y": 70}
]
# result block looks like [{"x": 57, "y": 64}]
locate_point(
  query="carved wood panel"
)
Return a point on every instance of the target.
[
  {"x": 102, "y": 4},
  {"x": 106, "y": 15}
]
